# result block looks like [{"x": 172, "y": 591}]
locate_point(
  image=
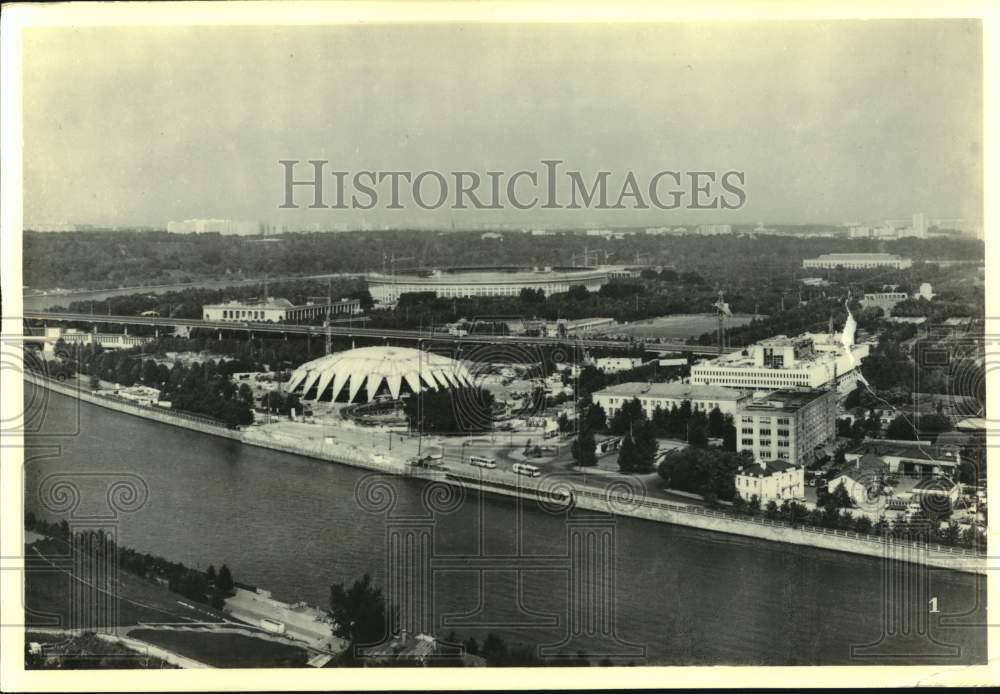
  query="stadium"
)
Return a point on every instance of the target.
[
  {"x": 501, "y": 281},
  {"x": 371, "y": 374}
]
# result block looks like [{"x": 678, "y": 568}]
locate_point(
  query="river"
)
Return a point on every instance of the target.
[{"x": 681, "y": 595}]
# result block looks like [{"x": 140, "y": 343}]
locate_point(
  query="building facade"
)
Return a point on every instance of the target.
[
  {"x": 669, "y": 395},
  {"x": 883, "y": 300},
  {"x": 862, "y": 478},
  {"x": 387, "y": 288},
  {"x": 611, "y": 365},
  {"x": 786, "y": 425},
  {"x": 810, "y": 360},
  {"x": 857, "y": 261},
  {"x": 773, "y": 480},
  {"x": 273, "y": 310},
  {"x": 913, "y": 458}
]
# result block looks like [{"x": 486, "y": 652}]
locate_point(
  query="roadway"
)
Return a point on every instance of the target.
[{"x": 352, "y": 331}]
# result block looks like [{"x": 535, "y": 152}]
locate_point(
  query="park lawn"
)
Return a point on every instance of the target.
[
  {"x": 225, "y": 649},
  {"x": 137, "y": 600}
]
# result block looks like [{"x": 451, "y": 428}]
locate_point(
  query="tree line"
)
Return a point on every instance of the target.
[{"x": 208, "y": 587}]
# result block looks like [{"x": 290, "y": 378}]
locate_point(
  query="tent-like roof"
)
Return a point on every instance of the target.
[{"x": 345, "y": 374}]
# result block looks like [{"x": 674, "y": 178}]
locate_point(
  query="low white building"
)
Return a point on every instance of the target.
[
  {"x": 610, "y": 365},
  {"x": 857, "y": 261},
  {"x": 883, "y": 300},
  {"x": 140, "y": 395},
  {"x": 862, "y": 478},
  {"x": 669, "y": 395},
  {"x": 772, "y": 480},
  {"x": 277, "y": 310}
]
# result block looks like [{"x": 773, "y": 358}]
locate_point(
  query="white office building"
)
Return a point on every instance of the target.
[
  {"x": 811, "y": 360},
  {"x": 669, "y": 395},
  {"x": 277, "y": 310},
  {"x": 857, "y": 261}
]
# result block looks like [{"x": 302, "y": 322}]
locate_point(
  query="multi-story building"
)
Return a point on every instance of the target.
[
  {"x": 786, "y": 425},
  {"x": 275, "y": 310},
  {"x": 669, "y": 395},
  {"x": 386, "y": 288},
  {"x": 919, "y": 225},
  {"x": 857, "y": 261},
  {"x": 859, "y": 232},
  {"x": 883, "y": 300},
  {"x": 771, "y": 480},
  {"x": 811, "y": 360}
]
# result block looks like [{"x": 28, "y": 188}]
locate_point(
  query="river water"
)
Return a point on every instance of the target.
[{"x": 680, "y": 595}]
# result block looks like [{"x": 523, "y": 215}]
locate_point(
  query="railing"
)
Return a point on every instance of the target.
[{"x": 775, "y": 523}]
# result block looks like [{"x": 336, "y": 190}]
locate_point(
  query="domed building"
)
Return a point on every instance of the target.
[{"x": 359, "y": 375}]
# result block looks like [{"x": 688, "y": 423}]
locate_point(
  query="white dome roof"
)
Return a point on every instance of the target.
[{"x": 343, "y": 374}]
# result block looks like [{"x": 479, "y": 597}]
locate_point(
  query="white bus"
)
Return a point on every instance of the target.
[
  {"x": 526, "y": 469},
  {"x": 480, "y": 461}
]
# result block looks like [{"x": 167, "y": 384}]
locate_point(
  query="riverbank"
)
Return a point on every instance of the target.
[{"x": 618, "y": 497}]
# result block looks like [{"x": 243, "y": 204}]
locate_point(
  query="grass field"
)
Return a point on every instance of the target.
[
  {"x": 87, "y": 599},
  {"x": 678, "y": 327},
  {"x": 225, "y": 650}
]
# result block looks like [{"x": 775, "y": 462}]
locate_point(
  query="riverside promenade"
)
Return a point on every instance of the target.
[{"x": 618, "y": 495}]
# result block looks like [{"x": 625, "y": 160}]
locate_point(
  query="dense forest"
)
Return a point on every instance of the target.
[{"x": 96, "y": 259}]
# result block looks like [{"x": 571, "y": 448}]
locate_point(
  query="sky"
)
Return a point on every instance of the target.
[{"x": 830, "y": 122}]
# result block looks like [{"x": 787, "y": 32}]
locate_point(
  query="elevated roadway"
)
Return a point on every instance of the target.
[{"x": 358, "y": 331}]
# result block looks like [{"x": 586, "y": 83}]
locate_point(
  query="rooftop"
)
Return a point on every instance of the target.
[
  {"x": 274, "y": 302},
  {"x": 859, "y": 256},
  {"x": 917, "y": 450},
  {"x": 783, "y": 400},
  {"x": 864, "y": 467},
  {"x": 765, "y": 469},
  {"x": 677, "y": 391}
]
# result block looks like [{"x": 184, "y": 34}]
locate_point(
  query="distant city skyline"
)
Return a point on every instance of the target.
[{"x": 830, "y": 123}]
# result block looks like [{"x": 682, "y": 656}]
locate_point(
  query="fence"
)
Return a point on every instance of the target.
[{"x": 848, "y": 534}]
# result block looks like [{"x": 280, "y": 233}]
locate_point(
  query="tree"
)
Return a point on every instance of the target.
[
  {"x": 578, "y": 292},
  {"x": 591, "y": 379},
  {"x": 853, "y": 398},
  {"x": 729, "y": 435},
  {"x": 644, "y": 439},
  {"x": 627, "y": 455},
  {"x": 716, "y": 423},
  {"x": 224, "y": 581},
  {"x": 358, "y": 612},
  {"x": 844, "y": 427},
  {"x": 697, "y": 434},
  {"x": 838, "y": 498},
  {"x": 531, "y": 296},
  {"x": 628, "y": 413},
  {"x": 900, "y": 429},
  {"x": 584, "y": 449}
]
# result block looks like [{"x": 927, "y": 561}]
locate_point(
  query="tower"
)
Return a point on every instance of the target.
[{"x": 326, "y": 323}]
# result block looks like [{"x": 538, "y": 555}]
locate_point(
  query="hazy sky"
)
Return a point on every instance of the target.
[{"x": 831, "y": 122}]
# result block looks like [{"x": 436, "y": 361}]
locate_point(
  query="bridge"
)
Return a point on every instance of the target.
[{"x": 342, "y": 330}]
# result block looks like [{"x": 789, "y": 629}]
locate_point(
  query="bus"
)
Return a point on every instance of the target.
[
  {"x": 526, "y": 469},
  {"x": 480, "y": 461}
]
